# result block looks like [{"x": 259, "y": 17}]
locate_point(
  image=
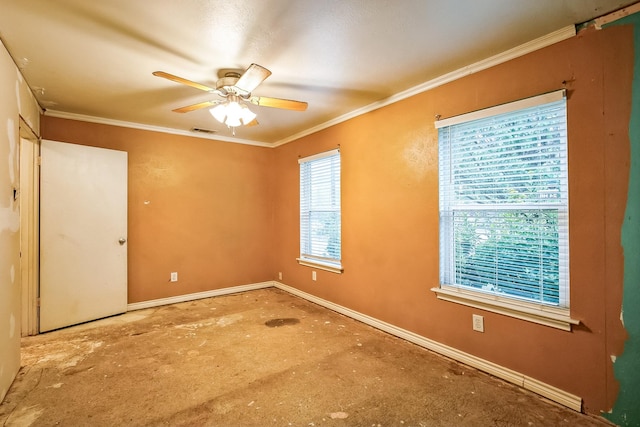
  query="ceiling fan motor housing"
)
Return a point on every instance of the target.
[
  {"x": 235, "y": 86},
  {"x": 226, "y": 85}
]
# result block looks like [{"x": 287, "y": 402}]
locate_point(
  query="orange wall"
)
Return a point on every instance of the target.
[
  {"x": 390, "y": 213},
  {"x": 225, "y": 214},
  {"x": 196, "y": 206}
]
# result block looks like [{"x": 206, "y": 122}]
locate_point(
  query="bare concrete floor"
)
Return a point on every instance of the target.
[{"x": 260, "y": 358}]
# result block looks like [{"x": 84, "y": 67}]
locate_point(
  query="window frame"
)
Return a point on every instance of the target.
[
  {"x": 537, "y": 312},
  {"x": 311, "y": 260}
]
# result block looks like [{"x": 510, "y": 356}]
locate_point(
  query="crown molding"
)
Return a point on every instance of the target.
[
  {"x": 539, "y": 43},
  {"x": 121, "y": 123},
  {"x": 536, "y": 44}
]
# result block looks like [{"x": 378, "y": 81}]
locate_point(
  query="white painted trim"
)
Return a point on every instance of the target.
[
  {"x": 29, "y": 198},
  {"x": 554, "y": 317},
  {"x": 550, "y": 392},
  {"x": 509, "y": 107},
  {"x": 333, "y": 268},
  {"x": 319, "y": 155},
  {"x": 121, "y": 123},
  {"x": 197, "y": 295},
  {"x": 531, "y": 46},
  {"x": 528, "y": 383},
  {"x": 537, "y": 44}
]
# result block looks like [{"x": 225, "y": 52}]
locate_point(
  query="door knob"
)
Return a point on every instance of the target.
[{"x": 122, "y": 241}]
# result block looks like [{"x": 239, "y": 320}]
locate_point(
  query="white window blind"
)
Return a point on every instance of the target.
[
  {"x": 504, "y": 202},
  {"x": 320, "y": 216}
]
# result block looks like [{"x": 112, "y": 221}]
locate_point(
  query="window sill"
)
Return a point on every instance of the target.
[
  {"x": 544, "y": 315},
  {"x": 334, "y": 268}
]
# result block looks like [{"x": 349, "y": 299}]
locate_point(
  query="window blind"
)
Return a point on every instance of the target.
[
  {"x": 320, "y": 216},
  {"x": 504, "y": 203}
]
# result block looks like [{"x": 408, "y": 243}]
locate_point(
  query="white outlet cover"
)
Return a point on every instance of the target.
[{"x": 478, "y": 322}]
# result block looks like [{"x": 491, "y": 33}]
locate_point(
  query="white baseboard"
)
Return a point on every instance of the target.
[
  {"x": 550, "y": 392},
  {"x": 198, "y": 295}
]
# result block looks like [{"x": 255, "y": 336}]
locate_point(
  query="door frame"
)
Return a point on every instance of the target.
[{"x": 29, "y": 194}]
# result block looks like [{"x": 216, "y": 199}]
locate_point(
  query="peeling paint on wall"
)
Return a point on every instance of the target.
[
  {"x": 10, "y": 219},
  {"x": 626, "y": 411},
  {"x": 9, "y": 213}
]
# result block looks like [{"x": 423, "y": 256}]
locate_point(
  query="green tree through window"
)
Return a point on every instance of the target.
[
  {"x": 320, "y": 214},
  {"x": 504, "y": 204}
]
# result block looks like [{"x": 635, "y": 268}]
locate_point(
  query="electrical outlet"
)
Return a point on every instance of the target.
[
  {"x": 313, "y": 275},
  {"x": 478, "y": 322},
  {"x": 174, "y": 276},
  {"x": 280, "y": 275}
]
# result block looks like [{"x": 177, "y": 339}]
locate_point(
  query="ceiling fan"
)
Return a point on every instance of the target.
[{"x": 235, "y": 89}]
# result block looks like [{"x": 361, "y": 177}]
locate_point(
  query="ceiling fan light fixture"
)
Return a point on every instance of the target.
[
  {"x": 247, "y": 115},
  {"x": 219, "y": 112},
  {"x": 233, "y": 121},
  {"x": 233, "y": 113},
  {"x": 236, "y": 88}
]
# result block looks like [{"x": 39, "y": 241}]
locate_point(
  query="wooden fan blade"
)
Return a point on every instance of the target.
[
  {"x": 196, "y": 106},
  {"x": 285, "y": 104},
  {"x": 183, "y": 81},
  {"x": 253, "y": 122},
  {"x": 252, "y": 77}
]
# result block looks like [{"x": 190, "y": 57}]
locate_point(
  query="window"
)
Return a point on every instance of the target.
[
  {"x": 504, "y": 209},
  {"x": 320, "y": 217}
]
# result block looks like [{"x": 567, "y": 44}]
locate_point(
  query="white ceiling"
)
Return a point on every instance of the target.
[{"x": 95, "y": 58}]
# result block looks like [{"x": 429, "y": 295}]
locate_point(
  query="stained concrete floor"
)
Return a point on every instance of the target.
[{"x": 260, "y": 358}]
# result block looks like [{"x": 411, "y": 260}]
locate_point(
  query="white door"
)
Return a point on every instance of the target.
[{"x": 83, "y": 231}]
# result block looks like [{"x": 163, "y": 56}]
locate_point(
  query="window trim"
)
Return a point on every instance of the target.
[
  {"x": 329, "y": 264},
  {"x": 556, "y": 317},
  {"x": 520, "y": 104},
  {"x": 332, "y": 267}
]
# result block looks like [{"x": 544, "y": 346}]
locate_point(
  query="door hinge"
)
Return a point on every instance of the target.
[
  {"x": 38, "y": 302},
  {"x": 39, "y": 161}
]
